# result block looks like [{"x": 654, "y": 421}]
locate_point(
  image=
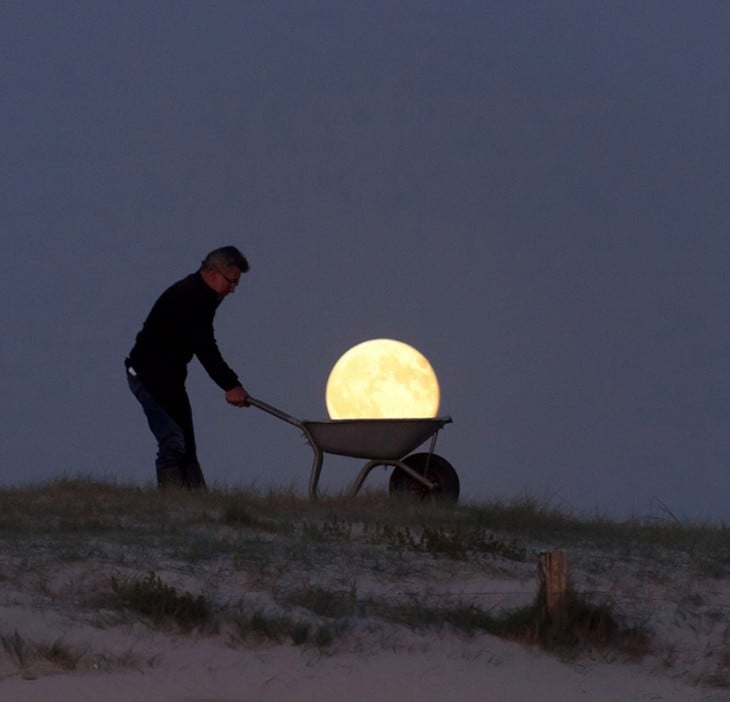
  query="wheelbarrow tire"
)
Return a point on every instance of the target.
[{"x": 432, "y": 467}]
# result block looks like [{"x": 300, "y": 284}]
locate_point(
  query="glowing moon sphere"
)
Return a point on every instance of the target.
[{"x": 382, "y": 379}]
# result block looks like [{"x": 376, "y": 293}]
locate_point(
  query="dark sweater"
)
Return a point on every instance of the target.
[{"x": 179, "y": 326}]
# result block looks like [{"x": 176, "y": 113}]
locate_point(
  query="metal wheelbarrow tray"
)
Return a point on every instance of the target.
[{"x": 384, "y": 442}]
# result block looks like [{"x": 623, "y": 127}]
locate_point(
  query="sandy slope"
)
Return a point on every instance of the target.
[{"x": 50, "y": 586}]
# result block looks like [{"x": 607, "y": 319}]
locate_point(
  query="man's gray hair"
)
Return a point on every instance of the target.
[{"x": 226, "y": 256}]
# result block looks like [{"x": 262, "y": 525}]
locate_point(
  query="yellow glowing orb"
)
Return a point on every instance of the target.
[{"x": 382, "y": 379}]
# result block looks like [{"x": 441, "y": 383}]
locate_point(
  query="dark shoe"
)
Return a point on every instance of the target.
[
  {"x": 170, "y": 478},
  {"x": 194, "y": 479}
]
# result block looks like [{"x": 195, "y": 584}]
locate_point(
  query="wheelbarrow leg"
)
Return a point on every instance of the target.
[
  {"x": 317, "y": 462},
  {"x": 316, "y": 470},
  {"x": 362, "y": 475},
  {"x": 384, "y": 462}
]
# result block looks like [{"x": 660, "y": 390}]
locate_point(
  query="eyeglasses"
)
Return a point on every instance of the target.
[{"x": 231, "y": 281}]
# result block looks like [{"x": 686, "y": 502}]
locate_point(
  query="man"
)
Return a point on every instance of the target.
[{"x": 179, "y": 326}]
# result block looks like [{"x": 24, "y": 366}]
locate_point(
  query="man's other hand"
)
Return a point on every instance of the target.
[{"x": 237, "y": 396}]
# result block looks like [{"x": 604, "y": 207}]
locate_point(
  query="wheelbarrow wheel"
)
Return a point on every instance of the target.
[{"x": 432, "y": 467}]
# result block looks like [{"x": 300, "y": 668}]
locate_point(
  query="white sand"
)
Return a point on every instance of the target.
[{"x": 486, "y": 669}]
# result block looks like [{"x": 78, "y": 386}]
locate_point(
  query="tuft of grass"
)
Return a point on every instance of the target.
[
  {"x": 459, "y": 543},
  {"x": 24, "y": 653},
  {"x": 282, "y": 628},
  {"x": 578, "y": 626},
  {"x": 325, "y": 603},
  {"x": 337, "y": 529},
  {"x": 719, "y": 679},
  {"x": 161, "y": 603},
  {"x": 235, "y": 514},
  {"x": 455, "y": 542},
  {"x": 61, "y": 656},
  {"x": 17, "y": 649}
]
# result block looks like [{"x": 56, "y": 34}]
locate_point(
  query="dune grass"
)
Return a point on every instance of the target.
[
  {"x": 68, "y": 508},
  {"x": 71, "y": 505}
]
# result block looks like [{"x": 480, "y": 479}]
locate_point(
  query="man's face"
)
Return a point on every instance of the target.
[{"x": 226, "y": 280}]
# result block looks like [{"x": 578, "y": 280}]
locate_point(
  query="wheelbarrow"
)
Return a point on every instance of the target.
[{"x": 385, "y": 442}]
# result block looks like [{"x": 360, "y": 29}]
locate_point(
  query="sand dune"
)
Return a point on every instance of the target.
[{"x": 351, "y": 594}]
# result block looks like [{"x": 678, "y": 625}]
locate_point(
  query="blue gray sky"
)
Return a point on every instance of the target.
[{"x": 533, "y": 194}]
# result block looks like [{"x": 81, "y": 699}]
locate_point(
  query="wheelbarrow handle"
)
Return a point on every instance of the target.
[
  {"x": 317, "y": 460},
  {"x": 269, "y": 409}
]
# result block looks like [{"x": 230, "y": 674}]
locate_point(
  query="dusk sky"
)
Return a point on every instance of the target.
[{"x": 535, "y": 195}]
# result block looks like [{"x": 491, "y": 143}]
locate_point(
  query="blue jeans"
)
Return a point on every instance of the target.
[{"x": 172, "y": 426}]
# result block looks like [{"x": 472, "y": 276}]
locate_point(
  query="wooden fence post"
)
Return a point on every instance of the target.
[{"x": 553, "y": 571}]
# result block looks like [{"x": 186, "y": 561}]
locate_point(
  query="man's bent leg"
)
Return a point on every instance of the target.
[
  {"x": 191, "y": 470},
  {"x": 171, "y": 445}
]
